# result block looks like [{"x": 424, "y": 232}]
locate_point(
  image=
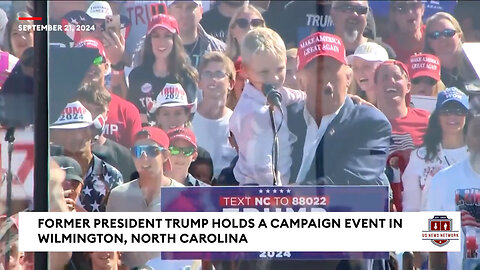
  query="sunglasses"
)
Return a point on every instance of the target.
[
  {"x": 99, "y": 60},
  {"x": 244, "y": 23},
  {"x": 348, "y": 8},
  {"x": 406, "y": 7},
  {"x": 214, "y": 75},
  {"x": 448, "y": 33},
  {"x": 186, "y": 151},
  {"x": 427, "y": 80},
  {"x": 453, "y": 111},
  {"x": 150, "y": 150}
]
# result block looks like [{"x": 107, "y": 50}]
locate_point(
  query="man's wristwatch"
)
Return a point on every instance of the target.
[{"x": 118, "y": 67}]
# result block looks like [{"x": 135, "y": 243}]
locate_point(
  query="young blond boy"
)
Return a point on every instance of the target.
[{"x": 264, "y": 61}]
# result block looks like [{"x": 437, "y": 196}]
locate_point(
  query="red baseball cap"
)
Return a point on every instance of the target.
[
  {"x": 163, "y": 20},
  {"x": 424, "y": 65},
  {"x": 184, "y": 134},
  {"x": 320, "y": 44},
  {"x": 395, "y": 63},
  {"x": 93, "y": 44},
  {"x": 155, "y": 134}
]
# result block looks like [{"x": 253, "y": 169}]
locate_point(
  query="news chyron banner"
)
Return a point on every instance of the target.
[
  {"x": 274, "y": 232},
  {"x": 229, "y": 223},
  {"x": 275, "y": 199}
]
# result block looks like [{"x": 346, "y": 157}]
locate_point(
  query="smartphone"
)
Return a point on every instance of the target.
[{"x": 112, "y": 23}]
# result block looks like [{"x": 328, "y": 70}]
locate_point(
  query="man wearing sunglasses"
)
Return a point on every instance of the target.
[
  {"x": 183, "y": 151},
  {"x": 151, "y": 156},
  {"x": 407, "y": 30},
  {"x": 196, "y": 40},
  {"x": 350, "y": 21}
]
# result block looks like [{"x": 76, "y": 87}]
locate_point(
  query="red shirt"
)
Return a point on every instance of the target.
[
  {"x": 403, "y": 55},
  {"x": 123, "y": 121},
  {"x": 407, "y": 134}
]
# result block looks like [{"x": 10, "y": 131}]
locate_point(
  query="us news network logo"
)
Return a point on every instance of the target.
[{"x": 440, "y": 231}]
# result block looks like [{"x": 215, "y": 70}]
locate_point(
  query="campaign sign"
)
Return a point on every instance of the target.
[{"x": 275, "y": 199}]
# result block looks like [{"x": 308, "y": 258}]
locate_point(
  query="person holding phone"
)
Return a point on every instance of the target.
[
  {"x": 164, "y": 60},
  {"x": 107, "y": 30},
  {"x": 123, "y": 118}
]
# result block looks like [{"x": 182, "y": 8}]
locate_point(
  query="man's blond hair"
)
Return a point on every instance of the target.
[{"x": 262, "y": 40}]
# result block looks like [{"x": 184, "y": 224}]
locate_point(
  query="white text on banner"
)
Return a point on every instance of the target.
[{"x": 243, "y": 231}]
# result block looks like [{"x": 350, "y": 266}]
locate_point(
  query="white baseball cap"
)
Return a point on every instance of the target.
[
  {"x": 172, "y": 95},
  {"x": 369, "y": 51},
  {"x": 74, "y": 116},
  {"x": 196, "y": 2},
  {"x": 99, "y": 10}
]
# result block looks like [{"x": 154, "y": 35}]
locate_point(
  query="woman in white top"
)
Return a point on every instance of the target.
[{"x": 443, "y": 146}]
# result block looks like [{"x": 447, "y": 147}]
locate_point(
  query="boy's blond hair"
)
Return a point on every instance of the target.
[{"x": 262, "y": 40}]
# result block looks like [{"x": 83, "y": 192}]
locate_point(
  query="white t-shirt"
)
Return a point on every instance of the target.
[
  {"x": 419, "y": 173},
  {"x": 212, "y": 134},
  {"x": 441, "y": 197}
]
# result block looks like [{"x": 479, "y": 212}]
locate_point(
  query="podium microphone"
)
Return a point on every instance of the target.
[{"x": 274, "y": 98}]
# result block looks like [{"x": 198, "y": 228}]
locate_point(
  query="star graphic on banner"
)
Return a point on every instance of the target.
[
  {"x": 260, "y": 191},
  {"x": 274, "y": 191},
  {"x": 87, "y": 190},
  {"x": 268, "y": 190},
  {"x": 82, "y": 18},
  {"x": 95, "y": 206},
  {"x": 281, "y": 190},
  {"x": 288, "y": 191},
  {"x": 74, "y": 21}
]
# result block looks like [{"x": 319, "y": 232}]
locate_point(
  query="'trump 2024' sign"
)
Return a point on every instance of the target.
[{"x": 275, "y": 199}]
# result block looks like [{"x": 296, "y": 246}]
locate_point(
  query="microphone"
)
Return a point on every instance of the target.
[{"x": 274, "y": 98}]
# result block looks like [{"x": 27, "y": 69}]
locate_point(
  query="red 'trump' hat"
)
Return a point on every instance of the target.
[
  {"x": 424, "y": 65},
  {"x": 163, "y": 20},
  {"x": 320, "y": 44}
]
